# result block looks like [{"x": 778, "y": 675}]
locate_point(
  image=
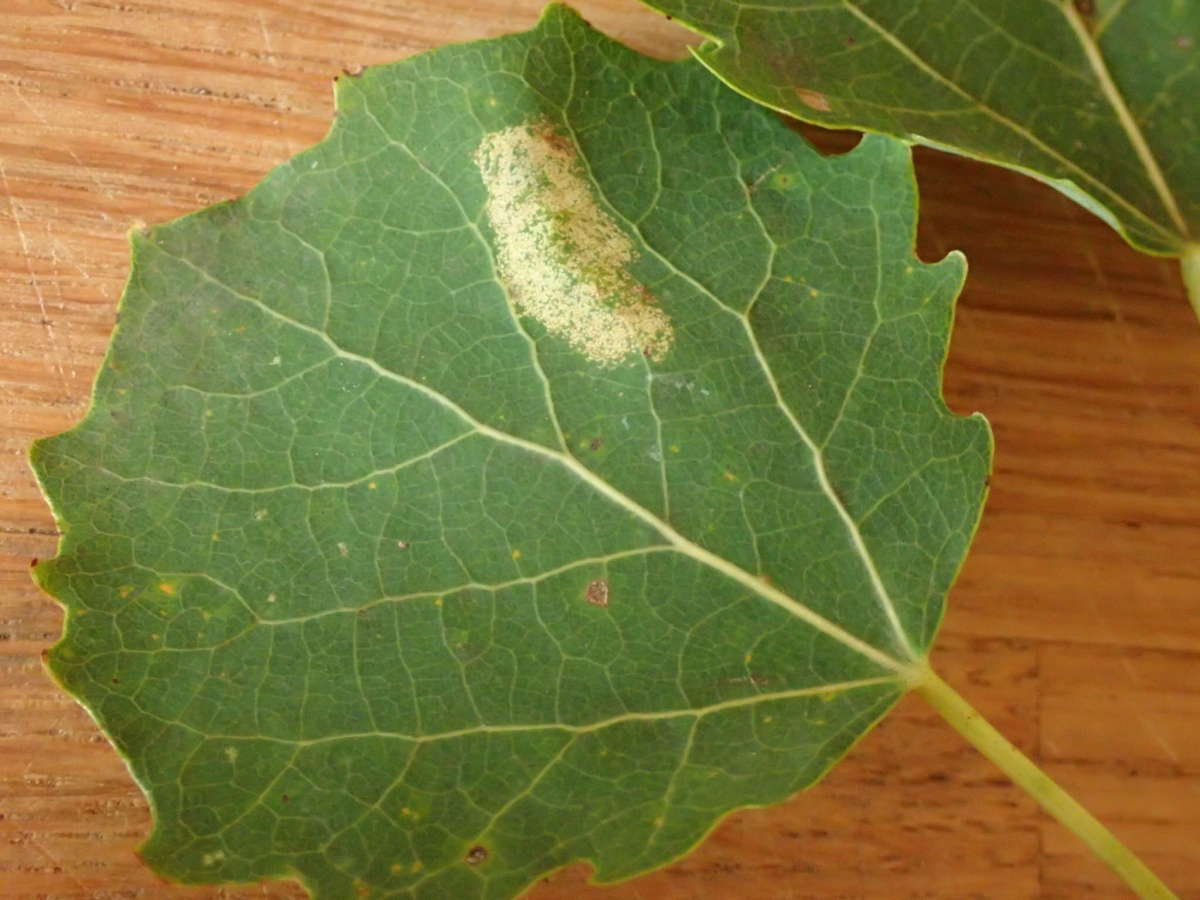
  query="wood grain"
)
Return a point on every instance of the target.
[{"x": 1075, "y": 625}]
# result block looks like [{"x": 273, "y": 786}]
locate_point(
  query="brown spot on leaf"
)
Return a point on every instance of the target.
[
  {"x": 555, "y": 140},
  {"x": 813, "y": 99},
  {"x": 355, "y": 71},
  {"x": 1185, "y": 42},
  {"x": 597, "y": 592},
  {"x": 33, "y": 563},
  {"x": 596, "y": 444},
  {"x": 476, "y": 855},
  {"x": 402, "y": 545},
  {"x": 1086, "y": 7}
]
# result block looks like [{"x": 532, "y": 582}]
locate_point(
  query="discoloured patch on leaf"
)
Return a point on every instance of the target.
[
  {"x": 814, "y": 99},
  {"x": 597, "y": 592},
  {"x": 476, "y": 855},
  {"x": 563, "y": 260}
]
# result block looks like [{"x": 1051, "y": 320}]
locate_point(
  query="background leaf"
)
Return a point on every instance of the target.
[
  {"x": 375, "y": 581},
  {"x": 1097, "y": 98}
]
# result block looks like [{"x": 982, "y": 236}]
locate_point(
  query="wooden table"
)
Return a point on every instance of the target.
[{"x": 1075, "y": 626}]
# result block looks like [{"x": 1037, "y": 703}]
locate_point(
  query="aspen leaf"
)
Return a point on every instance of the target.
[
  {"x": 547, "y": 463},
  {"x": 1100, "y": 98}
]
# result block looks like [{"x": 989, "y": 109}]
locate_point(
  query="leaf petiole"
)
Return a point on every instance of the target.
[
  {"x": 1190, "y": 264},
  {"x": 1025, "y": 774}
]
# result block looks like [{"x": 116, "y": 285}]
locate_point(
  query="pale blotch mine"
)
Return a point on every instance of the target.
[{"x": 563, "y": 260}]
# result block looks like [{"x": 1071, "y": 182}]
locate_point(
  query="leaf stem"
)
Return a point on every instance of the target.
[
  {"x": 1053, "y": 799},
  {"x": 1190, "y": 264}
]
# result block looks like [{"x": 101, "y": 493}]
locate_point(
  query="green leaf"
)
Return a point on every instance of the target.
[
  {"x": 547, "y": 463},
  {"x": 1097, "y": 98}
]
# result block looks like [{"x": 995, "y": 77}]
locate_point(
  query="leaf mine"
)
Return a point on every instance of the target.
[{"x": 564, "y": 261}]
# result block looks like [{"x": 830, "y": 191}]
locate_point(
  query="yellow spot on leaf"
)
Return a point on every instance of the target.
[
  {"x": 516, "y": 554},
  {"x": 125, "y": 590},
  {"x": 167, "y": 588},
  {"x": 372, "y": 486},
  {"x": 729, "y": 476}
]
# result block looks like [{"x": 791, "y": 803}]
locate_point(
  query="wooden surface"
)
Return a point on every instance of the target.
[{"x": 1075, "y": 626}]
